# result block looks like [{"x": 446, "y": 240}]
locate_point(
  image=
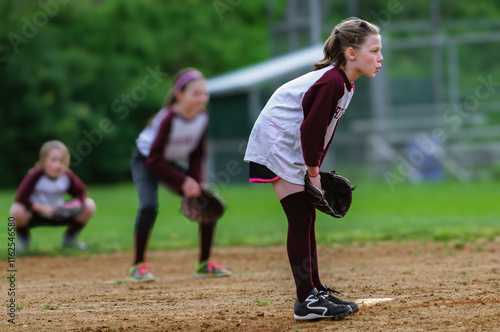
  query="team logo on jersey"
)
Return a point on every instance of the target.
[{"x": 339, "y": 111}]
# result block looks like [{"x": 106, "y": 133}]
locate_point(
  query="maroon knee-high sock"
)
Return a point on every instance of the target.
[
  {"x": 74, "y": 228},
  {"x": 23, "y": 231},
  {"x": 314, "y": 253},
  {"x": 206, "y": 237},
  {"x": 141, "y": 241},
  {"x": 298, "y": 213}
]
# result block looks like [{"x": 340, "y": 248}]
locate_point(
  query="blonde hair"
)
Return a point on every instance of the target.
[
  {"x": 47, "y": 147},
  {"x": 351, "y": 32}
]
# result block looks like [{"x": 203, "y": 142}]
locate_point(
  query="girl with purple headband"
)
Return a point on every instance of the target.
[{"x": 171, "y": 150}]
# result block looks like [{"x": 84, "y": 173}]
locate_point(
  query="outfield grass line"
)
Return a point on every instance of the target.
[{"x": 447, "y": 211}]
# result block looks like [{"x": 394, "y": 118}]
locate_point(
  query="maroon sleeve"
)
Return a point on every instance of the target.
[
  {"x": 197, "y": 158},
  {"x": 77, "y": 188},
  {"x": 27, "y": 186},
  {"x": 319, "y": 105},
  {"x": 164, "y": 172}
]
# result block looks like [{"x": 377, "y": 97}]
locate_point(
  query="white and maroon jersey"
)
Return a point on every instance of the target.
[
  {"x": 296, "y": 127},
  {"x": 170, "y": 138},
  {"x": 37, "y": 187}
]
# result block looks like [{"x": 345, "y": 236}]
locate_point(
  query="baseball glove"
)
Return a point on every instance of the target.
[
  {"x": 336, "y": 197},
  {"x": 68, "y": 210},
  {"x": 205, "y": 209}
]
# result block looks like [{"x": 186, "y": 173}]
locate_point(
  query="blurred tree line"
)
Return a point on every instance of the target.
[{"x": 91, "y": 73}]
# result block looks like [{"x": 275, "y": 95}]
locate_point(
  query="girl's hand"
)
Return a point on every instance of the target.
[
  {"x": 316, "y": 178},
  {"x": 44, "y": 210},
  {"x": 316, "y": 181},
  {"x": 191, "y": 188}
]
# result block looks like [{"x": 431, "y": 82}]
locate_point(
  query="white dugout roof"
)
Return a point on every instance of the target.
[{"x": 248, "y": 77}]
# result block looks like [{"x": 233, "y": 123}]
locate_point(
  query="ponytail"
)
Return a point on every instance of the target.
[{"x": 352, "y": 32}]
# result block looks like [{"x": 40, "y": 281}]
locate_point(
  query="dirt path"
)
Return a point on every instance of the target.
[{"x": 432, "y": 287}]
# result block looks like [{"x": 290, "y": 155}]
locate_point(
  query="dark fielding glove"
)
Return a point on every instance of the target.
[
  {"x": 205, "y": 209},
  {"x": 68, "y": 210},
  {"x": 336, "y": 197}
]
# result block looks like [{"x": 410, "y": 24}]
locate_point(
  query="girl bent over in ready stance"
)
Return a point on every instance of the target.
[
  {"x": 291, "y": 137},
  {"x": 171, "y": 150}
]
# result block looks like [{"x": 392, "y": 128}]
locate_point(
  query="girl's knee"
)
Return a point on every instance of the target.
[
  {"x": 146, "y": 217},
  {"x": 21, "y": 214},
  {"x": 89, "y": 206},
  {"x": 16, "y": 210},
  {"x": 88, "y": 210},
  {"x": 148, "y": 211}
]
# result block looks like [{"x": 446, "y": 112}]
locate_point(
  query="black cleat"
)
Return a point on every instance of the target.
[
  {"x": 327, "y": 293},
  {"x": 317, "y": 307}
]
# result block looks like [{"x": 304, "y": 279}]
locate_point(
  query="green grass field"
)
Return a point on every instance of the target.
[{"x": 448, "y": 211}]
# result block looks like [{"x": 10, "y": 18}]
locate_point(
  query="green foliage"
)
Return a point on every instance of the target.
[
  {"x": 75, "y": 70},
  {"x": 65, "y": 68}
]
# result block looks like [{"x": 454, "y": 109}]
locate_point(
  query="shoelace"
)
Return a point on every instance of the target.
[
  {"x": 211, "y": 265},
  {"x": 143, "y": 268},
  {"x": 331, "y": 291}
]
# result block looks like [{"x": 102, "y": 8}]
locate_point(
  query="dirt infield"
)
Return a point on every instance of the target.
[{"x": 425, "y": 287}]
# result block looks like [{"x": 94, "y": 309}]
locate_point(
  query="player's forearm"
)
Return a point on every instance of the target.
[
  {"x": 36, "y": 207},
  {"x": 165, "y": 173},
  {"x": 312, "y": 170}
]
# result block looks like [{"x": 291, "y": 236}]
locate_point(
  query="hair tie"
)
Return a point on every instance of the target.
[{"x": 190, "y": 75}]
